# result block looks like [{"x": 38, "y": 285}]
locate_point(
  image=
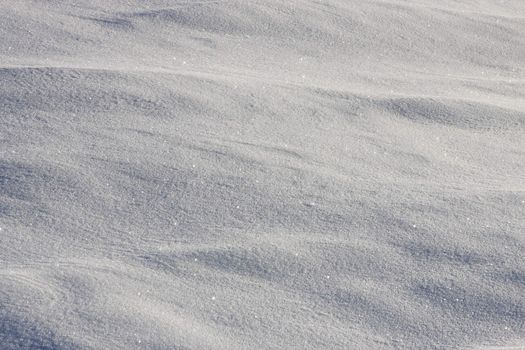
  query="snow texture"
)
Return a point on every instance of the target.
[{"x": 267, "y": 174}]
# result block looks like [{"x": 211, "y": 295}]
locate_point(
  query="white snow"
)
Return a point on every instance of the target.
[{"x": 268, "y": 174}]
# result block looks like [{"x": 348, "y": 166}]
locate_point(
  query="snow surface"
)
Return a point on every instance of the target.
[{"x": 266, "y": 174}]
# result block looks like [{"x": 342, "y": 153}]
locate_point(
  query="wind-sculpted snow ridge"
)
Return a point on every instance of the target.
[{"x": 262, "y": 175}]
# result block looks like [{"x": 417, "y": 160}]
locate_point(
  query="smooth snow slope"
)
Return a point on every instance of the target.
[{"x": 264, "y": 174}]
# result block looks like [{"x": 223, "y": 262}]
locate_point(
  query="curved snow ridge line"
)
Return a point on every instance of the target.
[
  {"x": 249, "y": 267},
  {"x": 140, "y": 73},
  {"x": 461, "y": 113},
  {"x": 264, "y": 154},
  {"x": 456, "y": 113},
  {"x": 238, "y": 18},
  {"x": 264, "y": 18},
  {"x": 496, "y": 347},
  {"x": 177, "y": 325},
  {"x": 101, "y": 265},
  {"x": 81, "y": 291},
  {"x": 425, "y": 74},
  {"x": 27, "y": 279},
  {"x": 283, "y": 150},
  {"x": 75, "y": 71},
  {"x": 76, "y": 91},
  {"x": 230, "y": 77},
  {"x": 466, "y": 12},
  {"x": 357, "y": 25},
  {"x": 452, "y": 112},
  {"x": 348, "y": 94},
  {"x": 98, "y": 68}
]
